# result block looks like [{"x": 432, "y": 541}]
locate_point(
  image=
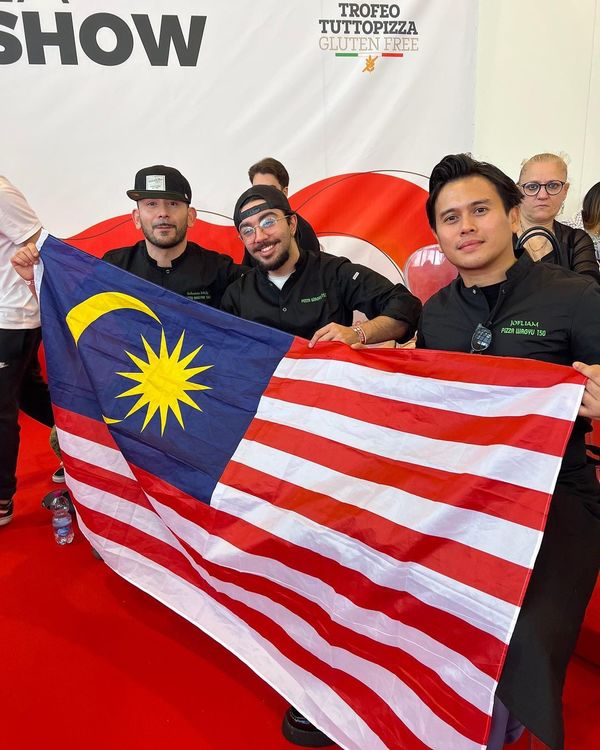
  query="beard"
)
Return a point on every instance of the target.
[
  {"x": 273, "y": 264},
  {"x": 165, "y": 242}
]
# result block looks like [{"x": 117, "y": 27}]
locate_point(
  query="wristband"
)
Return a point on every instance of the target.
[{"x": 360, "y": 333}]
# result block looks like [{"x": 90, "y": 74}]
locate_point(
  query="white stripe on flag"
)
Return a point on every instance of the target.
[
  {"x": 116, "y": 507},
  {"x": 457, "y": 671},
  {"x": 93, "y": 453},
  {"x": 401, "y": 699},
  {"x": 286, "y": 677},
  {"x": 465, "y": 398},
  {"x": 473, "y": 528},
  {"x": 504, "y": 463},
  {"x": 484, "y": 611}
]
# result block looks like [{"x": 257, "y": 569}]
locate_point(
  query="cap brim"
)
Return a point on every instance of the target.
[{"x": 137, "y": 195}]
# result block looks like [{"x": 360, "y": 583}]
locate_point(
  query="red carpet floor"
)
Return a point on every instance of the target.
[{"x": 88, "y": 661}]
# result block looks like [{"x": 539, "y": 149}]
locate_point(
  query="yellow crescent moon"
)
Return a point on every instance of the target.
[{"x": 88, "y": 311}]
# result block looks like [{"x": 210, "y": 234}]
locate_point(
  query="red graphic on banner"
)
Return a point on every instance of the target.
[{"x": 386, "y": 211}]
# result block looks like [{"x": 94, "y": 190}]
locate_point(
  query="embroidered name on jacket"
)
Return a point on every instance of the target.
[
  {"x": 524, "y": 328},
  {"x": 318, "y": 298}
]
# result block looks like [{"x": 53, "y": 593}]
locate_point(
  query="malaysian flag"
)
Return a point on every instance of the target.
[{"x": 359, "y": 527}]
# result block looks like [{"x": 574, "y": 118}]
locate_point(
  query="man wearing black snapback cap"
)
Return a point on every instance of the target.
[
  {"x": 306, "y": 294},
  {"x": 165, "y": 256}
]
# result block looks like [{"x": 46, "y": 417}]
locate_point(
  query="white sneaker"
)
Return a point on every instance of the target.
[
  {"x": 59, "y": 475},
  {"x": 6, "y": 512}
]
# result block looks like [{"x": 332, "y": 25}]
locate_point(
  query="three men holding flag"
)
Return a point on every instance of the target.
[{"x": 472, "y": 210}]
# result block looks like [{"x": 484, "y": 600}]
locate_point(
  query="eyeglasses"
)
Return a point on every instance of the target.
[
  {"x": 248, "y": 233},
  {"x": 552, "y": 188},
  {"x": 481, "y": 339}
]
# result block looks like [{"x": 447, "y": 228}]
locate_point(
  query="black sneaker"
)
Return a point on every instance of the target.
[
  {"x": 59, "y": 475},
  {"x": 297, "y": 729},
  {"x": 6, "y": 512}
]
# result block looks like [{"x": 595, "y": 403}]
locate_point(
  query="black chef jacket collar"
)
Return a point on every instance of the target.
[
  {"x": 174, "y": 262},
  {"x": 514, "y": 274}
]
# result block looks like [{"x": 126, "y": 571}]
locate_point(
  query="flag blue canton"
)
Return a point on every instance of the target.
[{"x": 235, "y": 360}]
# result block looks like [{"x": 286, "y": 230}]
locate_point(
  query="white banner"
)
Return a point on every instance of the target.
[{"x": 91, "y": 92}]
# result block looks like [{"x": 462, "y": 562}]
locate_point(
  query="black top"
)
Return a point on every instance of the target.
[
  {"x": 576, "y": 251},
  {"x": 542, "y": 312},
  {"x": 198, "y": 274},
  {"x": 305, "y": 237},
  {"x": 322, "y": 289}
]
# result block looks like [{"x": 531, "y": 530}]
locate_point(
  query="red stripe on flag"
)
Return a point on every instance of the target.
[
  {"x": 424, "y": 681},
  {"x": 444, "y": 627},
  {"x": 349, "y": 688},
  {"x": 526, "y": 432},
  {"x": 481, "y": 648},
  {"x": 527, "y": 507},
  {"x": 450, "y": 366},
  {"x": 472, "y": 567},
  {"x": 91, "y": 429},
  {"x": 106, "y": 480}
]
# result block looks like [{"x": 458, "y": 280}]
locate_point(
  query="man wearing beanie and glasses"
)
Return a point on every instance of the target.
[
  {"x": 165, "y": 256},
  {"x": 507, "y": 307},
  {"x": 310, "y": 295}
]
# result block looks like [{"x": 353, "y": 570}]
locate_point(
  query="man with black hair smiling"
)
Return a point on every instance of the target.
[
  {"x": 505, "y": 307},
  {"x": 307, "y": 295}
]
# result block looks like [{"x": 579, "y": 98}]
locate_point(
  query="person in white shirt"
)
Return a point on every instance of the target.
[{"x": 21, "y": 383}]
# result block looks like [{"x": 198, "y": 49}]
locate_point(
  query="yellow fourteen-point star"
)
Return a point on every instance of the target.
[{"x": 163, "y": 382}]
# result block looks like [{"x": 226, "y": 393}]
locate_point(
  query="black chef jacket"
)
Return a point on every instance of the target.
[
  {"x": 543, "y": 312},
  {"x": 198, "y": 274},
  {"x": 322, "y": 289}
]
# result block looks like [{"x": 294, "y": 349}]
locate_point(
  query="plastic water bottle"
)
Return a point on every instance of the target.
[{"x": 62, "y": 523}]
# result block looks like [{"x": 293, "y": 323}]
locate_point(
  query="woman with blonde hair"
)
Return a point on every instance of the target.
[{"x": 544, "y": 184}]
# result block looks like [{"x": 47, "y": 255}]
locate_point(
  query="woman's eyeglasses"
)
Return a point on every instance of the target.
[{"x": 533, "y": 188}]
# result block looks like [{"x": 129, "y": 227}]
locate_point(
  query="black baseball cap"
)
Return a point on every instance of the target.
[
  {"x": 161, "y": 182},
  {"x": 271, "y": 196}
]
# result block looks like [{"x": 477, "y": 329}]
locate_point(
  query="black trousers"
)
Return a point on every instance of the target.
[
  {"x": 21, "y": 387},
  {"x": 560, "y": 588}
]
